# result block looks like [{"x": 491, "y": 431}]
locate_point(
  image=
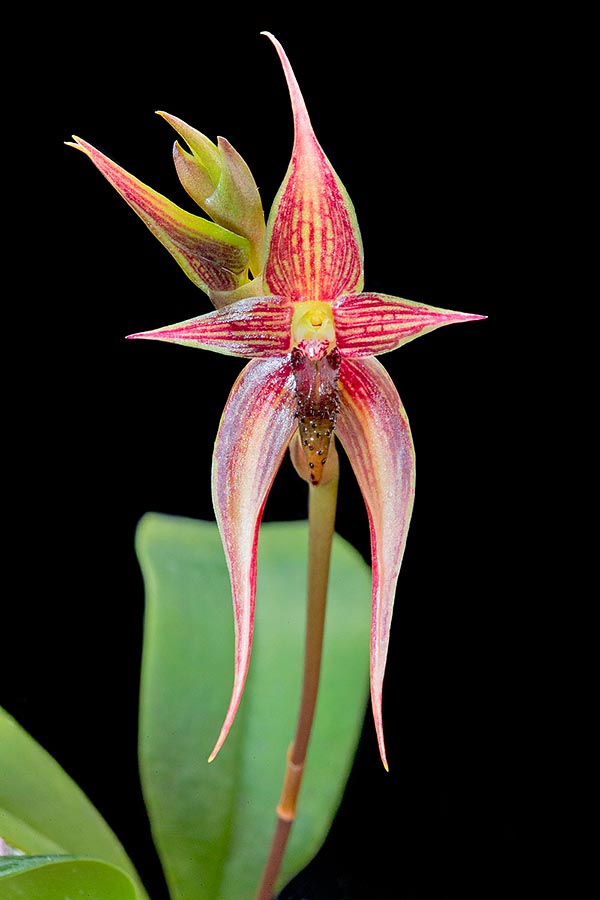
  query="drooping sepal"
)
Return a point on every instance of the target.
[
  {"x": 220, "y": 182},
  {"x": 257, "y": 426},
  {"x": 210, "y": 255},
  {"x": 257, "y": 327},
  {"x": 371, "y": 324},
  {"x": 313, "y": 246},
  {"x": 374, "y": 431}
]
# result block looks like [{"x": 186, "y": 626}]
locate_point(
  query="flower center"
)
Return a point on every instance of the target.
[{"x": 313, "y": 331}]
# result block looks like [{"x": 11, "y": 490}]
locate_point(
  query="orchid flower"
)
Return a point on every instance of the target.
[{"x": 291, "y": 300}]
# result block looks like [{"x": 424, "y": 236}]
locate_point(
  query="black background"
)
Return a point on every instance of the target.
[{"x": 420, "y": 115}]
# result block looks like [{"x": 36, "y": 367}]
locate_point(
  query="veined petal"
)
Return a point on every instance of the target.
[
  {"x": 213, "y": 257},
  {"x": 370, "y": 324},
  {"x": 374, "y": 430},
  {"x": 259, "y": 326},
  {"x": 257, "y": 426},
  {"x": 313, "y": 245}
]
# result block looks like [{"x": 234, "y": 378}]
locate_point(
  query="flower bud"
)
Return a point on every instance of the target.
[{"x": 219, "y": 181}]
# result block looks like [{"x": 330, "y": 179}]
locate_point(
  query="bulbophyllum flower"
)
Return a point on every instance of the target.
[{"x": 291, "y": 300}]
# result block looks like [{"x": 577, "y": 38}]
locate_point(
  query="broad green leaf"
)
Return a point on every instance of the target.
[
  {"x": 42, "y": 810},
  {"x": 62, "y": 878},
  {"x": 213, "y": 823}
]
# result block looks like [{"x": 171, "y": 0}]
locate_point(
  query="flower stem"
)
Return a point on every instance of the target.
[{"x": 321, "y": 523}]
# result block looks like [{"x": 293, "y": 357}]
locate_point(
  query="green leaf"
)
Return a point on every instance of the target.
[
  {"x": 43, "y": 811},
  {"x": 62, "y": 878},
  {"x": 212, "y": 824}
]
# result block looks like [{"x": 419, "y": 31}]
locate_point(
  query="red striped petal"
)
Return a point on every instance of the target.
[
  {"x": 314, "y": 250},
  {"x": 370, "y": 324},
  {"x": 374, "y": 431},
  {"x": 257, "y": 327},
  {"x": 257, "y": 426},
  {"x": 211, "y": 256}
]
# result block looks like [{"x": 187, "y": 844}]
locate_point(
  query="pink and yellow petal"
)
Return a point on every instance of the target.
[
  {"x": 313, "y": 244},
  {"x": 211, "y": 256},
  {"x": 257, "y": 426},
  {"x": 374, "y": 431},
  {"x": 257, "y": 327},
  {"x": 371, "y": 324}
]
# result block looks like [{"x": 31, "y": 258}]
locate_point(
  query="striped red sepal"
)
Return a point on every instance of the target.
[
  {"x": 371, "y": 324},
  {"x": 374, "y": 431},
  {"x": 257, "y": 426},
  {"x": 213, "y": 257},
  {"x": 256, "y": 327},
  {"x": 313, "y": 246}
]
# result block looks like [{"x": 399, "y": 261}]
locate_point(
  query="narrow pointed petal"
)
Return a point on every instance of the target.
[
  {"x": 257, "y": 426},
  {"x": 374, "y": 431},
  {"x": 211, "y": 256},
  {"x": 370, "y": 324},
  {"x": 313, "y": 245},
  {"x": 258, "y": 327}
]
